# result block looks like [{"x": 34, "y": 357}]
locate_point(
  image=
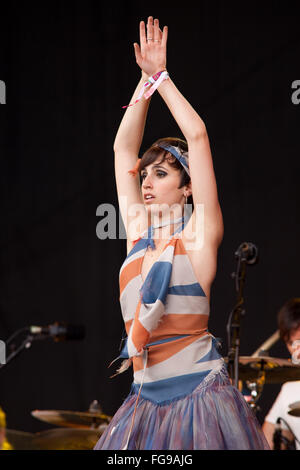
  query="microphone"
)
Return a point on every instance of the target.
[
  {"x": 59, "y": 331},
  {"x": 277, "y": 438},
  {"x": 248, "y": 251}
]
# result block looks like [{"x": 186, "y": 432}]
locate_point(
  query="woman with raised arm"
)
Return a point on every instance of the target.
[{"x": 181, "y": 396}]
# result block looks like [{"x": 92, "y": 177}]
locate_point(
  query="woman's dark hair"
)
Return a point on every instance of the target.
[
  {"x": 289, "y": 318},
  {"x": 155, "y": 151}
]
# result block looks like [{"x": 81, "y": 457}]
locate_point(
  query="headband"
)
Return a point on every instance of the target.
[{"x": 180, "y": 155}]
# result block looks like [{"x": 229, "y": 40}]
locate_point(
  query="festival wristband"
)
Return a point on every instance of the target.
[{"x": 155, "y": 80}]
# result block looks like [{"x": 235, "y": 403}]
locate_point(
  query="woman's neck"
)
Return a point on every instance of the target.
[{"x": 164, "y": 227}]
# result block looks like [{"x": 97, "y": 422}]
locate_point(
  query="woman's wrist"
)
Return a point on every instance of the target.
[
  {"x": 160, "y": 69},
  {"x": 145, "y": 76}
]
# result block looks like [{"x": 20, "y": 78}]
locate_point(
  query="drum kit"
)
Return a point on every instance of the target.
[
  {"x": 77, "y": 430},
  {"x": 260, "y": 368},
  {"x": 256, "y": 371}
]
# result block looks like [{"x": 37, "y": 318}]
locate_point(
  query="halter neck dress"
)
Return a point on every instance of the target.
[{"x": 181, "y": 396}]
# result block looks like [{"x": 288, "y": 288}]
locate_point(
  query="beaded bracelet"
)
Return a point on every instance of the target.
[{"x": 155, "y": 80}]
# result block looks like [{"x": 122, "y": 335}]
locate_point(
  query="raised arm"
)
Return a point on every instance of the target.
[
  {"x": 127, "y": 145},
  {"x": 204, "y": 187},
  {"x": 126, "y": 149}
]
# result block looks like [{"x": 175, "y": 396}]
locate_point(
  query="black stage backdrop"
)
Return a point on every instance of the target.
[{"x": 68, "y": 68}]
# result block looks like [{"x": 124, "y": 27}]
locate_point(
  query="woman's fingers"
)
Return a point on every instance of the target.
[
  {"x": 164, "y": 36},
  {"x": 150, "y": 29},
  {"x": 151, "y": 52},
  {"x": 143, "y": 39},
  {"x": 137, "y": 52},
  {"x": 151, "y": 33},
  {"x": 157, "y": 36}
]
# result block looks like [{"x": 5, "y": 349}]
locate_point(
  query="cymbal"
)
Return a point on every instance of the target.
[
  {"x": 295, "y": 409},
  {"x": 268, "y": 362},
  {"x": 72, "y": 419},
  {"x": 20, "y": 440},
  {"x": 66, "y": 439},
  {"x": 276, "y": 370}
]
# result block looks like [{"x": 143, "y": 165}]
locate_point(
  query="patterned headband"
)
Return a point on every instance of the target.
[{"x": 179, "y": 154}]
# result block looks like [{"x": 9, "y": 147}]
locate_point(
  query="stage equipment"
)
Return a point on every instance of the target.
[
  {"x": 91, "y": 419},
  {"x": 67, "y": 439},
  {"x": 246, "y": 254},
  {"x": 58, "y": 331}
]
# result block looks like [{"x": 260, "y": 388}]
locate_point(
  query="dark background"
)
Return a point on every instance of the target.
[{"x": 68, "y": 69}]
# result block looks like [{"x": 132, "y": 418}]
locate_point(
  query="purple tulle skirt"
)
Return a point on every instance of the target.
[{"x": 215, "y": 416}]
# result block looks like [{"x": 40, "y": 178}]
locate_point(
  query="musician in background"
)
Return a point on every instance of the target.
[{"x": 289, "y": 328}]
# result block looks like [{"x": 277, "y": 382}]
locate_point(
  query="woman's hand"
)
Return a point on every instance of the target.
[{"x": 151, "y": 55}]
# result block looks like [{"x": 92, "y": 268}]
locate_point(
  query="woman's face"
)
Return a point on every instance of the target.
[{"x": 160, "y": 186}]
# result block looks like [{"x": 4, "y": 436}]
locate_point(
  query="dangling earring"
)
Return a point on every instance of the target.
[
  {"x": 184, "y": 207},
  {"x": 185, "y": 199}
]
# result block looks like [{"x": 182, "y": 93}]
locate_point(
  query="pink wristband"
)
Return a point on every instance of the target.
[
  {"x": 155, "y": 80},
  {"x": 161, "y": 77}
]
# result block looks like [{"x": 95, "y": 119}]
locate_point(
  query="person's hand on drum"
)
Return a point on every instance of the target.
[{"x": 151, "y": 54}]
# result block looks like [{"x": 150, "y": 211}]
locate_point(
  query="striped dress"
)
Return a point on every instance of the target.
[{"x": 181, "y": 396}]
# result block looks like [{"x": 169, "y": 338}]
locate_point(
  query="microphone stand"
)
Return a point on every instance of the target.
[
  {"x": 58, "y": 331},
  {"x": 243, "y": 255},
  {"x": 26, "y": 343}
]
